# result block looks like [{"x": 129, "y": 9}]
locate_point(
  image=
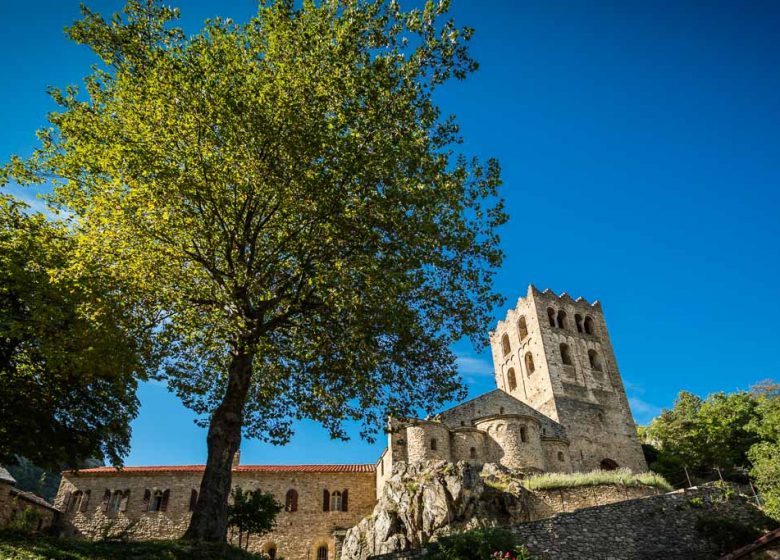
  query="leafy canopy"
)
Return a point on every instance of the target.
[
  {"x": 285, "y": 190},
  {"x": 69, "y": 359}
]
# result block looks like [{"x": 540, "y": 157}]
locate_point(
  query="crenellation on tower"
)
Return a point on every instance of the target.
[{"x": 554, "y": 353}]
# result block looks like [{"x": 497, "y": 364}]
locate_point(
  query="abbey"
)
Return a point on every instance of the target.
[{"x": 559, "y": 405}]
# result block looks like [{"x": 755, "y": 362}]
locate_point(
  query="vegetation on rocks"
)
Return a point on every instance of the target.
[
  {"x": 16, "y": 546},
  {"x": 621, "y": 477}
]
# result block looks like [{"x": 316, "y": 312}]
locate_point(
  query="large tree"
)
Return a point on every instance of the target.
[
  {"x": 69, "y": 358},
  {"x": 288, "y": 194}
]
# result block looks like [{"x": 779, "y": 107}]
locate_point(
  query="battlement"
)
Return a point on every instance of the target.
[{"x": 532, "y": 294}]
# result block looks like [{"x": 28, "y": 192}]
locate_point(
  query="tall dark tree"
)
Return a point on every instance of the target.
[
  {"x": 69, "y": 360},
  {"x": 287, "y": 193}
]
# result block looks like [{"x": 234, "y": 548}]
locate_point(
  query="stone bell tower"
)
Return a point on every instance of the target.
[{"x": 554, "y": 353}]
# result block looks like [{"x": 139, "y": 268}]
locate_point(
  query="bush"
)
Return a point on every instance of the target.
[
  {"x": 479, "y": 544},
  {"x": 727, "y": 534},
  {"x": 25, "y": 520}
]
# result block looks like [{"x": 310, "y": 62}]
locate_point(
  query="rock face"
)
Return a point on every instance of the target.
[{"x": 425, "y": 500}]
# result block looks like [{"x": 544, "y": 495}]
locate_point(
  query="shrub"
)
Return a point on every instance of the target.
[
  {"x": 727, "y": 534},
  {"x": 479, "y": 544}
]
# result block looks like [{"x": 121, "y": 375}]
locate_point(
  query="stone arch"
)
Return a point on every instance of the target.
[
  {"x": 608, "y": 465},
  {"x": 562, "y": 319},
  {"x": 270, "y": 549},
  {"x": 506, "y": 346},
  {"x": 595, "y": 360},
  {"x": 589, "y": 326},
  {"x": 511, "y": 379},
  {"x": 529, "y": 363},
  {"x": 522, "y": 329},
  {"x": 578, "y": 322},
  {"x": 551, "y": 316},
  {"x": 565, "y": 354}
]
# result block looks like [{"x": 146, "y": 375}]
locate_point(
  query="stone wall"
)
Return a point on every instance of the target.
[
  {"x": 662, "y": 526},
  {"x": 297, "y": 534},
  {"x": 14, "y": 501}
]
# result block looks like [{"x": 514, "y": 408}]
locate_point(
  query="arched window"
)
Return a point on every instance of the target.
[
  {"x": 335, "y": 501},
  {"x": 85, "y": 501},
  {"x": 159, "y": 500},
  {"x": 523, "y": 434},
  {"x": 560, "y": 456},
  {"x": 551, "y": 316},
  {"x": 501, "y": 410},
  {"x": 608, "y": 465},
  {"x": 322, "y": 553},
  {"x": 434, "y": 444},
  {"x": 193, "y": 499},
  {"x": 271, "y": 552},
  {"x": 565, "y": 355},
  {"x": 124, "y": 500},
  {"x": 75, "y": 501},
  {"x": 512, "y": 380},
  {"x": 473, "y": 453},
  {"x": 578, "y": 322},
  {"x": 505, "y": 345},
  {"x": 291, "y": 500},
  {"x": 595, "y": 360},
  {"x": 562, "y": 319},
  {"x": 522, "y": 329},
  {"x": 589, "y": 328},
  {"x": 529, "y": 363},
  {"x": 116, "y": 500}
]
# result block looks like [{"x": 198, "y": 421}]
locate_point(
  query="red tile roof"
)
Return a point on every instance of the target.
[{"x": 240, "y": 468}]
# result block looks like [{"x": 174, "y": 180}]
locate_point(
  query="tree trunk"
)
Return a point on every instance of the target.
[{"x": 209, "y": 519}]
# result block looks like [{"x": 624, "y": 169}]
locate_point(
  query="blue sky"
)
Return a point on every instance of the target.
[{"x": 641, "y": 160}]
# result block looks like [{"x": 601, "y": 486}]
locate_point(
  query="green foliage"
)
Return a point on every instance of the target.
[
  {"x": 765, "y": 457},
  {"x": 252, "y": 513},
  {"x": 24, "y": 520},
  {"x": 479, "y": 544},
  {"x": 68, "y": 358},
  {"x": 726, "y": 533},
  {"x": 703, "y": 434},
  {"x": 283, "y": 200},
  {"x": 622, "y": 477},
  {"x": 16, "y": 546}
]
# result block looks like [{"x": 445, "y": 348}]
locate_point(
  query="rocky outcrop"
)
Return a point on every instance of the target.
[{"x": 425, "y": 500}]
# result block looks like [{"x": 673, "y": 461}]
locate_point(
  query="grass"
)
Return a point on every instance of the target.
[
  {"x": 16, "y": 546},
  {"x": 620, "y": 477}
]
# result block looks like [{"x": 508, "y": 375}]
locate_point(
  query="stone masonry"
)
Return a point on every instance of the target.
[
  {"x": 298, "y": 534},
  {"x": 559, "y": 406}
]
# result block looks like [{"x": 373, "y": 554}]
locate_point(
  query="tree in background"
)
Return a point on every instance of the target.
[
  {"x": 724, "y": 434},
  {"x": 286, "y": 196},
  {"x": 68, "y": 359},
  {"x": 252, "y": 513},
  {"x": 765, "y": 455}
]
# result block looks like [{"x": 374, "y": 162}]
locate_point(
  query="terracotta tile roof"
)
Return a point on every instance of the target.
[{"x": 240, "y": 468}]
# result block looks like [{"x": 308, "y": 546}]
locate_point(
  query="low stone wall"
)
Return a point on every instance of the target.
[
  {"x": 547, "y": 503},
  {"x": 650, "y": 528}
]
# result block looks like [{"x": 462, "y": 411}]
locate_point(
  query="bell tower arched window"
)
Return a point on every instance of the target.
[
  {"x": 566, "y": 355},
  {"x": 551, "y": 316},
  {"x": 561, "y": 319},
  {"x": 529, "y": 363},
  {"x": 589, "y": 327},
  {"x": 511, "y": 379},
  {"x": 522, "y": 329},
  {"x": 578, "y": 322},
  {"x": 505, "y": 345},
  {"x": 595, "y": 360}
]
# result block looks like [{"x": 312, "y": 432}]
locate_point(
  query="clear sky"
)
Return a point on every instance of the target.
[{"x": 640, "y": 150}]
